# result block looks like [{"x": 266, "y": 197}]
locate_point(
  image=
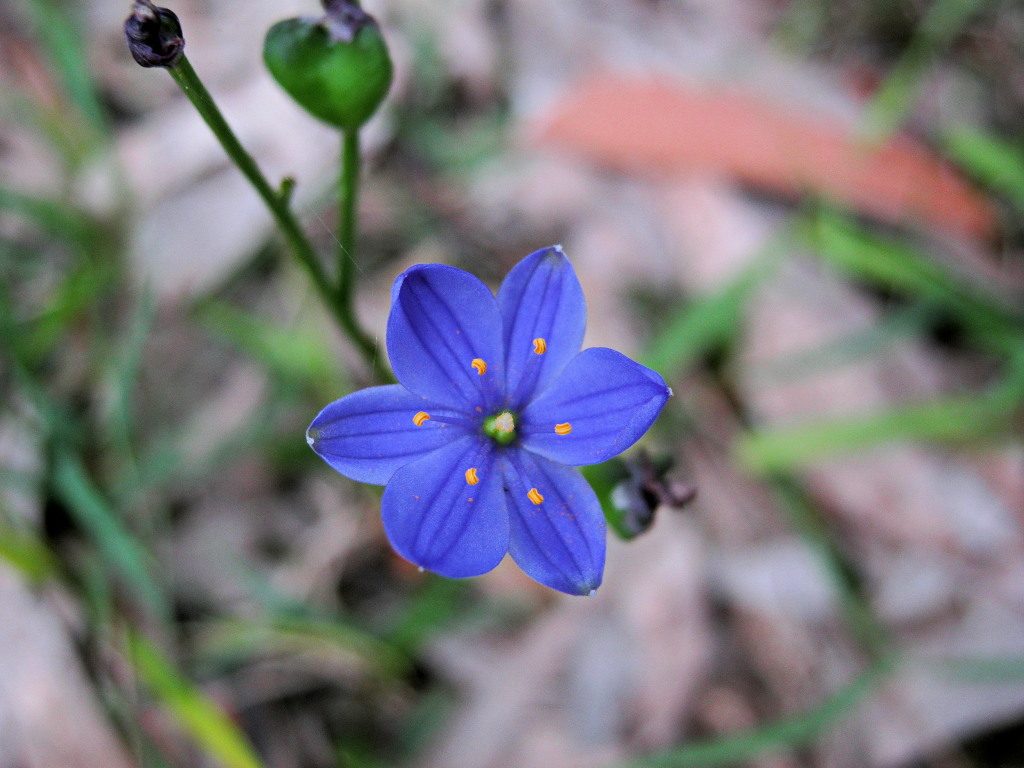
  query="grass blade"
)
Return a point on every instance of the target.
[
  {"x": 955, "y": 419},
  {"x": 782, "y": 734},
  {"x": 26, "y": 554},
  {"x": 61, "y": 36},
  {"x": 294, "y": 354},
  {"x": 197, "y": 714},
  {"x": 983, "y": 670},
  {"x": 896, "y": 266},
  {"x": 706, "y": 322},
  {"x": 995, "y": 163},
  {"x": 120, "y": 548},
  {"x": 891, "y": 103},
  {"x": 52, "y": 217}
]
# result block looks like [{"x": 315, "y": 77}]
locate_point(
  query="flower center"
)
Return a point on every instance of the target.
[{"x": 501, "y": 427}]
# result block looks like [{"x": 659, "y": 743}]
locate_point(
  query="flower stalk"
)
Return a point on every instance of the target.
[
  {"x": 357, "y": 57},
  {"x": 338, "y": 301},
  {"x": 187, "y": 79},
  {"x": 348, "y": 208}
]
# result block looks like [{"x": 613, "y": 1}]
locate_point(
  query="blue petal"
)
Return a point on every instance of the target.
[
  {"x": 442, "y": 319},
  {"x": 559, "y": 542},
  {"x": 369, "y": 434},
  {"x": 608, "y": 401},
  {"x": 437, "y": 520},
  {"x": 540, "y": 298}
]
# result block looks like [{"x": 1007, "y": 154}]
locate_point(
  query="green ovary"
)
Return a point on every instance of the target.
[{"x": 501, "y": 427}]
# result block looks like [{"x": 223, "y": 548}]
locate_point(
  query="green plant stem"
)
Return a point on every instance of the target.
[
  {"x": 187, "y": 79},
  {"x": 277, "y": 202},
  {"x": 348, "y": 205}
]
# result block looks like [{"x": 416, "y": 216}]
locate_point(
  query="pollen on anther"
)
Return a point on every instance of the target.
[
  {"x": 563, "y": 429},
  {"x": 534, "y": 496},
  {"x": 471, "y": 477},
  {"x": 479, "y": 365},
  {"x": 540, "y": 346},
  {"x": 420, "y": 417},
  {"x": 505, "y": 423}
]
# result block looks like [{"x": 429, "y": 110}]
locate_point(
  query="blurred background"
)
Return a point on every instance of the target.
[{"x": 808, "y": 216}]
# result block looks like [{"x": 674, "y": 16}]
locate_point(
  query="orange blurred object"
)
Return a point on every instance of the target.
[{"x": 657, "y": 124}]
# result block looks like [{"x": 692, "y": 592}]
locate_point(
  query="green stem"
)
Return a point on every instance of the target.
[
  {"x": 187, "y": 79},
  {"x": 277, "y": 202},
  {"x": 348, "y": 205}
]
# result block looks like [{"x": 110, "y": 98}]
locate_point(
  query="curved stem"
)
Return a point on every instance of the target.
[
  {"x": 277, "y": 202},
  {"x": 187, "y": 79}
]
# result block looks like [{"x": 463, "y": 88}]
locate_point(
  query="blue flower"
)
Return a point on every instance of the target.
[{"x": 495, "y": 407}]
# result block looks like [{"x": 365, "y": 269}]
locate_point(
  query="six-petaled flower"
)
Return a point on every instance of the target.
[{"x": 495, "y": 407}]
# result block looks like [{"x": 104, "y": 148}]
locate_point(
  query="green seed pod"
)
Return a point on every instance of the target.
[{"x": 336, "y": 67}]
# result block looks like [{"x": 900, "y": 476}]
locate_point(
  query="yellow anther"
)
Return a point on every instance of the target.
[
  {"x": 534, "y": 496},
  {"x": 563, "y": 429},
  {"x": 480, "y": 365},
  {"x": 420, "y": 417},
  {"x": 540, "y": 346},
  {"x": 471, "y": 477},
  {"x": 504, "y": 422}
]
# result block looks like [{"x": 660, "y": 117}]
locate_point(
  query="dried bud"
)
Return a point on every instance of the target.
[
  {"x": 154, "y": 35},
  {"x": 336, "y": 67},
  {"x": 344, "y": 19},
  {"x": 636, "y": 497}
]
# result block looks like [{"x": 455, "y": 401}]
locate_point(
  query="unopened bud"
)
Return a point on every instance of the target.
[
  {"x": 154, "y": 35},
  {"x": 336, "y": 67}
]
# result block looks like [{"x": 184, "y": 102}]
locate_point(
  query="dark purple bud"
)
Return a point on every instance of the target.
[
  {"x": 344, "y": 19},
  {"x": 154, "y": 35},
  {"x": 636, "y": 498}
]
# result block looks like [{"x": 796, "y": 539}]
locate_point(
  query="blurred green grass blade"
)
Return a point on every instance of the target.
[
  {"x": 432, "y": 608},
  {"x": 983, "y": 671},
  {"x": 706, "y": 322},
  {"x": 894, "y": 99},
  {"x": 787, "y": 733},
  {"x": 197, "y": 714},
  {"x": 76, "y": 295},
  {"x": 995, "y": 163},
  {"x": 954, "y": 419},
  {"x": 50, "y": 216},
  {"x": 231, "y": 640},
  {"x": 121, "y": 377},
  {"x": 26, "y": 553},
  {"x": 841, "y": 570},
  {"x": 893, "y": 265},
  {"x": 294, "y": 354},
  {"x": 801, "y": 26},
  {"x": 63, "y": 35},
  {"x": 290, "y": 622},
  {"x": 872, "y": 340},
  {"x": 122, "y": 551}
]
